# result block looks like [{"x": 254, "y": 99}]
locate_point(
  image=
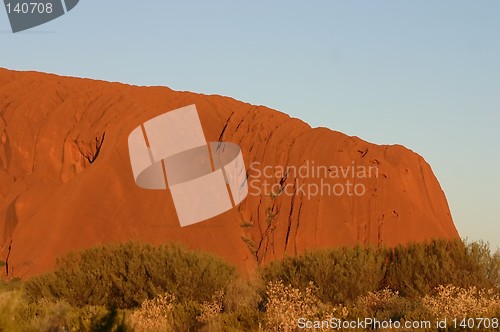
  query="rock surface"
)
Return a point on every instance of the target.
[{"x": 53, "y": 200}]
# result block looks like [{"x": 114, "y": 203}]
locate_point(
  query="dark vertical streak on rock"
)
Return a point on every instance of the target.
[
  {"x": 225, "y": 127},
  {"x": 7, "y": 259},
  {"x": 298, "y": 224},
  {"x": 290, "y": 219}
]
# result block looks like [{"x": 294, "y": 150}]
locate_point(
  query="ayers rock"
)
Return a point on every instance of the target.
[{"x": 53, "y": 200}]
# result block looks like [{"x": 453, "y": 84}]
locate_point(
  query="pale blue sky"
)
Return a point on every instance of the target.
[{"x": 425, "y": 74}]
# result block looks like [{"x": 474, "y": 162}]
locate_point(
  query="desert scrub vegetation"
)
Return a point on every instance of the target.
[
  {"x": 451, "y": 302},
  {"x": 413, "y": 270},
  {"x": 285, "y": 305},
  {"x": 125, "y": 275},
  {"x": 19, "y": 314},
  {"x": 139, "y": 287},
  {"x": 154, "y": 314}
]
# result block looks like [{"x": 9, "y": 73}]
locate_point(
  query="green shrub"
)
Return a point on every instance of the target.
[
  {"x": 417, "y": 269},
  {"x": 383, "y": 305},
  {"x": 125, "y": 275},
  {"x": 413, "y": 270},
  {"x": 489, "y": 263},
  {"x": 340, "y": 274},
  {"x": 185, "y": 316},
  {"x": 17, "y": 314},
  {"x": 244, "y": 319}
]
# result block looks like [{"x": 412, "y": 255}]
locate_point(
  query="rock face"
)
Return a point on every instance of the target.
[{"x": 309, "y": 187}]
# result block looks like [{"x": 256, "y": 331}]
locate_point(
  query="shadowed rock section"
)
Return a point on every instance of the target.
[{"x": 58, "y": 195}]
